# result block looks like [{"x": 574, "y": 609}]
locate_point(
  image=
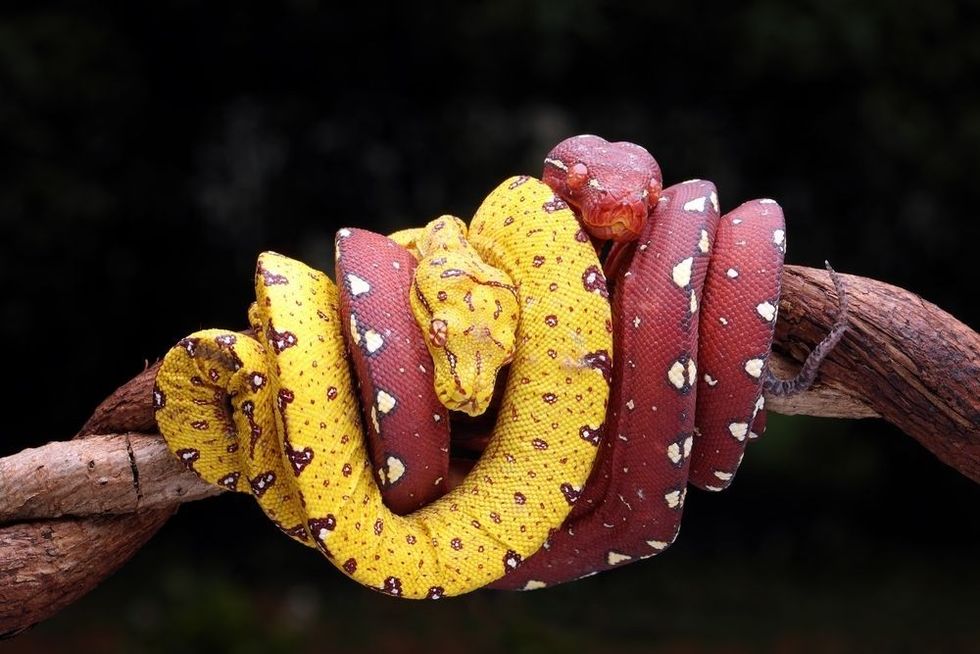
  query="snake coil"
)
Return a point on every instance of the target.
[{"x": 688, "y": 323}]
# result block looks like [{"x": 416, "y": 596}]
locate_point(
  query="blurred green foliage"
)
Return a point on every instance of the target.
[{"x": 149, "y": 151}]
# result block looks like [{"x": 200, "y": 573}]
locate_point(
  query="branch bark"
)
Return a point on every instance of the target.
[
  {"x": 46, "y": 565},
  {"x": 903, "y": 359},
  {"x": 77, "y": 510}
]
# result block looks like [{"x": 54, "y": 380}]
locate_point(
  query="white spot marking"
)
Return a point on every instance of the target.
[
  {"x": 724, "y": 476},
  {"x": 395, "y": 469},
  {"x": 682, "y": 272},
  {"x": 373, "y": 341},
  {"x": 709, "y": 380},
  {"x": 723, "y": 321},
  {"x": 738, "y": 430},
  {"x": 616, "y": 557},
  {"x": 385, "y": 402},
  {"x": 676, "y": 375},
  {"x": 636, "y": 322},
  {"x": 358, "y": 286},
  {"x": 343, "y": 233},
  {"x": 754, "y": 367},
  {"x": 630, "y": 405},
  {"x": 688, "y": 444},
  {"x": 534, "y": 584},
  {"x": 714, "y": 201},
  {"x": 674, "y": 453},
  {"x": 732, "y": 273},
  {"x": 697, "y": 204},
  {"x": 694, "y": 302},
  {"x": 736, "y": 221},
  {"x": 704, "y": 244},
  {"x": 767, "y": 311},
  {"x": 396, "y": 265},
  {"x": 779, "y": 238},
  {"x": 658, "y": 545},
  {"x": 354, "y": 334},
  {"x": 675, "y": 498},
  {"x": 692, "y": 372}
]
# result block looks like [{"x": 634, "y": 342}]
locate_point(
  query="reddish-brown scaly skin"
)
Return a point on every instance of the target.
[
  {"x": 611, "y": 186},
  {"x": 737, "y": 323},
  {"x": 631, "y": 506},
  {"x": 692, "y": 332},
  {"x": 374, "y": 275},
  {"x": 684, "y": 330}
]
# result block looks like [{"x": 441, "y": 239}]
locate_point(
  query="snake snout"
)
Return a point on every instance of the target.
[
  {"x": 619, "y": 221},
  {"x": 473, "y": 401}
]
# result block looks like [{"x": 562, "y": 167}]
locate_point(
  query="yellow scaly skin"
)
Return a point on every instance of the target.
[
  {"x": 294, "y": 439},
  {"x": 468, "y": 312}
]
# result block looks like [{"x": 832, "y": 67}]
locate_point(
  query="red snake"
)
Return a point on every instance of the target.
[{"x": 694, "y": 296}]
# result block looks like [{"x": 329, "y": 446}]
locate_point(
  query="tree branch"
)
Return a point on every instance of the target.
[{"x": 95, "y": 500}]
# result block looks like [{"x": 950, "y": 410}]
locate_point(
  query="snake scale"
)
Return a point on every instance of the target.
[{"x": 617, "y": 394}]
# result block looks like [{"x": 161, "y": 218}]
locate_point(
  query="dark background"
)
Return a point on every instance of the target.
[{"x": 149, "y": 151}]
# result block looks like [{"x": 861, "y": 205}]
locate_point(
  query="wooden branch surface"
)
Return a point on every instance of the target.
[
  {"x": 903, "y": 359},
  {"x": 48, "y": 564}
]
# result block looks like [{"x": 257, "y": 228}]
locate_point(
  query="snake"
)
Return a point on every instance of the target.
[
  {"x": 588, "y": 464},
  {"x": 275, "y": 413}
]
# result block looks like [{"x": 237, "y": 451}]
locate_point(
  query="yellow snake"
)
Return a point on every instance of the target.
[{"x": 275, "y": 413}]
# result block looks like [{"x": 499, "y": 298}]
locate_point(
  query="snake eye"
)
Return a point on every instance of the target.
[
  {"x": 438, "y": 332},
  {"x": 577, "y": 176}
]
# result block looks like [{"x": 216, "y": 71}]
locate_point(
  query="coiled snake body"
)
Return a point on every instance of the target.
[{"x": 276, "y": 413}]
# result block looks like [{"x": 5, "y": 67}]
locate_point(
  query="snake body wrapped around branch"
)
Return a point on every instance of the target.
[
  {"x": 276, "y": 413},
  {"x": 694, "y": 296}
]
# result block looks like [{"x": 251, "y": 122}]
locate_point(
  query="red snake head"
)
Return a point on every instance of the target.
[{"x": 612, "y": 186}]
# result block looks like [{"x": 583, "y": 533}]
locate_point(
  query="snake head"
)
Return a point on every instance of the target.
[
  {"x": 468, "y": 312},
  {"x": 611, "y": 186}
]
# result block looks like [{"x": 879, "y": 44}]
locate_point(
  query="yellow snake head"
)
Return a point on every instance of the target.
[{"x": 468, "y": 314}]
